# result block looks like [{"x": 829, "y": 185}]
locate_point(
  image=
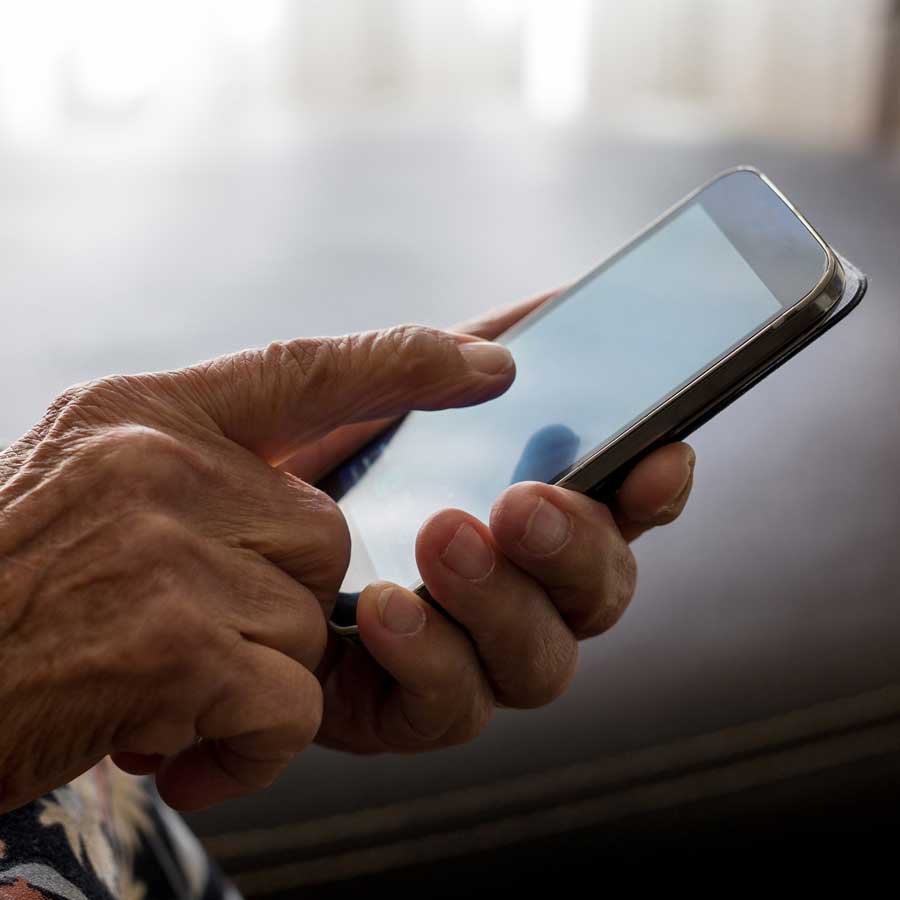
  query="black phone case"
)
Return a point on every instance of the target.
[{"x": 343, "y": 617}]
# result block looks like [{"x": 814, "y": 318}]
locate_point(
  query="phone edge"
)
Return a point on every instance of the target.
[{"x": 830, "y": 285}]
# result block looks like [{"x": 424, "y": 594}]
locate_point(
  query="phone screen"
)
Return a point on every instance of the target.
[{"x": 619, "y": 343}]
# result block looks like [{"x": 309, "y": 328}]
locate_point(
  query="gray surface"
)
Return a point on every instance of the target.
[{"x": 779, "y": 587}]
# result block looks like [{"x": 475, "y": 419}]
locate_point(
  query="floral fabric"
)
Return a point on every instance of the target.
[{"x": 104, "y": 836}]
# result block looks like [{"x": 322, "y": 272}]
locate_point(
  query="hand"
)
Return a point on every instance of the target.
[
  {"x": 163, "y": 585},
  {"x": 550, "y": 568}
]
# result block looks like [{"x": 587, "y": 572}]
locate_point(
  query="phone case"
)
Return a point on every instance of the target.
[{"x": 343, "y": 618}]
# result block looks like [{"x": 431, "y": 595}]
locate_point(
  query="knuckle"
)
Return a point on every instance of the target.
[
  {"x": 213, "y": 381},
  {"x": 270, "y": 602},
  {"x": 306, "y": 719},
  {"x": 98, "y": 401},
  {"x": 327, "y": 543},
  {"x": 69, "y": 396},
  {"x": 143, "y": 528},
  {"x": 478, "y": 717},
  {"x": 546, "y": 671},
  {"x": 412, "y": 353},
  {"x": 143, "y": 459},
  {"x": 623, "y": 577},
  {"x": 310, "y": 362},
  {"x": 178, "y": 643},
  {"x": 613, "y": 598},
  {"x": 420, "y": 353},
  {"x": 166, "y": 559},
  {"x": 328, "y": 513},
  {"x": 302, "y": 619},
  {"x": 77, "y": 407},
  {"x": 146, "y": 464},
  {"x": 315, "y": 634},
  {"x": 257, "y": 758},
  {"x": 158, "y": 538}
]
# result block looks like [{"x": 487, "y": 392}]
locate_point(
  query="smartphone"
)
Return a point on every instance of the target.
[{"x": 643, "y": 348}]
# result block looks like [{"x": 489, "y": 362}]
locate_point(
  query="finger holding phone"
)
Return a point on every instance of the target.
[
  {"x": 170, "y": 550},
  {"x": 521, "y": 588},
  {"x": 165, "y": 580},
  {"x": 700, "y": 306}
]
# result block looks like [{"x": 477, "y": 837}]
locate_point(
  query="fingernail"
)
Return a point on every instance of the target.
[
  {"x": 398, "y": 613},
  {"x": 547, "y": 530},
  {"x": 486, "y": 357},
  {"x": 468, "y": 555}
]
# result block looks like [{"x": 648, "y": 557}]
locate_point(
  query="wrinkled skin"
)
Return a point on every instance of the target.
[{"x": 167, "y": 567}]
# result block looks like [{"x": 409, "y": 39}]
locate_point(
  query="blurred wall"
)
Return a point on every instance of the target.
[{"x": 119, "y": 75}]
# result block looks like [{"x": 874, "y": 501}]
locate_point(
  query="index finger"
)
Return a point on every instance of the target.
[{"x": 319, "y": 457}]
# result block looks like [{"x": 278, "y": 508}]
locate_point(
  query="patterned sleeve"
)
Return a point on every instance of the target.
[{"x": 104, "y": 836}]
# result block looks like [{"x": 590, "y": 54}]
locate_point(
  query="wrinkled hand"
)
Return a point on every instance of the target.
[
  {"x": 550, "y": 568},
  {"x": 164, "y": 585}
]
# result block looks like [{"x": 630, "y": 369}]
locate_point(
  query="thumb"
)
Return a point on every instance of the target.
[{"x": 271, "y": 401}]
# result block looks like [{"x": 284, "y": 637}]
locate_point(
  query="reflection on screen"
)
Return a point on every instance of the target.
[{"x": 585, "y": 370}]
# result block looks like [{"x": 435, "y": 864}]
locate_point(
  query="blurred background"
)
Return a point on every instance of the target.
[
  {"x": 115, "y": 79},
  {"x": 200, "y": 166},
  {"x": 182, "y": 179}
]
